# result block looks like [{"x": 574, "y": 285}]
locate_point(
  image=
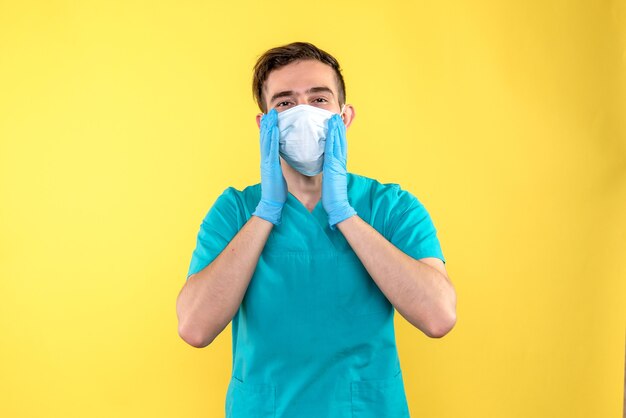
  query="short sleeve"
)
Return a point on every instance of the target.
[
  {"x": 219, "y": 226},
  {"x": 411, "y": 228}
]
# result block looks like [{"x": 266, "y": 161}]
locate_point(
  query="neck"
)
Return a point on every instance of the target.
[{"x": 307, "y": 190}]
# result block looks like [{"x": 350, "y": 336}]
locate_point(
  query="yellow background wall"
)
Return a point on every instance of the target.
[{"x": 122, "y": 121}]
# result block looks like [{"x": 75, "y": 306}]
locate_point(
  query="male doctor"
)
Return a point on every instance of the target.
[{"x": 310, "y": 263}]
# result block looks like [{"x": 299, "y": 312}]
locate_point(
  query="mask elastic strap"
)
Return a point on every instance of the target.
[{"x": 342, "y": 109}]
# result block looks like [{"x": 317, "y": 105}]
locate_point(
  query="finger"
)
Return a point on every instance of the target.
[
  {"x": 264, "y": 145},
  {"x": 265, "y": 141},
  {"x": 344, "y": 143},
  {"x": 337, "y": 140},
  {"x": 328, "y": 147},
  {"x": 274, "y": 138},
  {"x": 272, "y": 118},
  {"x": 268, "y": 119}
]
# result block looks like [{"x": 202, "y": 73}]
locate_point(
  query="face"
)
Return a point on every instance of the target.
[{"x": 304, "y": 82}]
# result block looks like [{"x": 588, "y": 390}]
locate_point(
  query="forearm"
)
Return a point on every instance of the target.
[
  {"x": 420, "y": 293},
  {"x": 209, "y": 299}
]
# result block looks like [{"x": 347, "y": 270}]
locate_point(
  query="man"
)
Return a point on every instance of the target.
[{"x": 310, "y": 263}]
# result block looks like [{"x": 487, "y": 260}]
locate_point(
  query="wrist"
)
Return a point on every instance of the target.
[
  {"x": 269, "y": 210},
  {"x": 340, "y": 214}
]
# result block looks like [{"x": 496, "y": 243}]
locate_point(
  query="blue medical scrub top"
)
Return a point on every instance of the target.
[{"x": 314, "y": 335}]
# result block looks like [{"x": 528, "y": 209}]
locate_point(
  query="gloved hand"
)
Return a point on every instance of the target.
[
  {"x": 335, "y": 177},
  {"x": 273, "y": 184}
]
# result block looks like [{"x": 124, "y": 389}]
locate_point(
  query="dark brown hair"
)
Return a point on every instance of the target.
[{"x": 286, "y": 54}]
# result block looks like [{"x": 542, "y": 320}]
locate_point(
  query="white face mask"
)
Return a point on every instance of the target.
[{"x": 303, "y": 131}]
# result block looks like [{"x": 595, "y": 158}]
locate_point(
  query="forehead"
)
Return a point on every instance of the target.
[{"x": 300, "y": 76}]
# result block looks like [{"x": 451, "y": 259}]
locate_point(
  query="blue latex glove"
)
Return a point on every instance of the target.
[
  {"x": 273, "y": 184},
  {"x": 335, "y": 177}
]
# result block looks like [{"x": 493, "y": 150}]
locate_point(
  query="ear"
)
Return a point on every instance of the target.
[
  {"x": 258, "y": 120},
  {"x": 348, "y": 115}
]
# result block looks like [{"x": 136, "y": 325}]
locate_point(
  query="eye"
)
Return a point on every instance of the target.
[
  {"x": 282, "y": 104},
  {"x": 320, "y": 100}
]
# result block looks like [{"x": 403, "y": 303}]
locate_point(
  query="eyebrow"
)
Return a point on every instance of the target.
[{"x": 288, "y": 93}]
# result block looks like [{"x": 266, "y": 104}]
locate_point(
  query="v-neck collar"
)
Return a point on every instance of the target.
[
  {"x": 297, "y": 202},
  {"x": 318, "y": 215}
]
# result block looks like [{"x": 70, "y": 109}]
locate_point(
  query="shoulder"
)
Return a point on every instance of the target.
[
  {"x": 229, "y": 197},
  {"x": 383, "y": 205},
  {"x": 233, "y": 204},
  {"x": 377, "y": 193}
]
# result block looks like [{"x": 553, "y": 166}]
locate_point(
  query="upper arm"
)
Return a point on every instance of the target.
[
  {"x": 411, "y": 229},
  {"x": 219, "y": 226}
]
